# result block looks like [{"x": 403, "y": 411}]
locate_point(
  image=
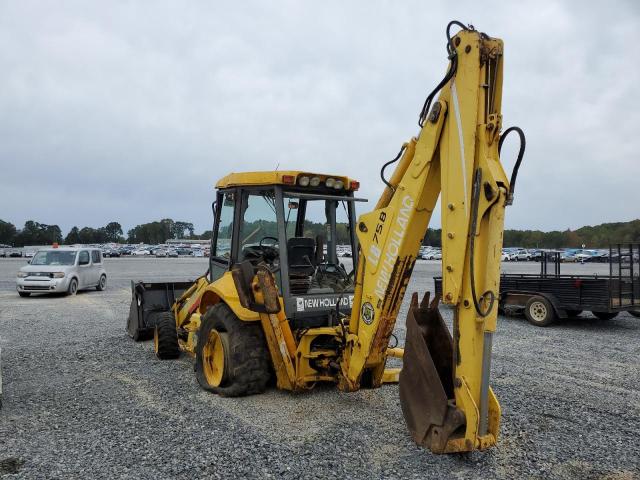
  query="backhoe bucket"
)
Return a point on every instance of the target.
[{"x": 426, "y": 380}]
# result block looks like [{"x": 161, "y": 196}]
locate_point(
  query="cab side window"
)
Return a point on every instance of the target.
[
  {"x": 95, "y": 256},
  {"x": 83, "y": 258}
]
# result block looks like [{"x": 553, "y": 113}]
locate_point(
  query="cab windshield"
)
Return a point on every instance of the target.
[{"x": 49, "y": 257}]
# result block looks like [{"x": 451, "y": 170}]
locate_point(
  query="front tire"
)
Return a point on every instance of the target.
[
  {"x": 165, "y": 337},
  {"x": 102, "y": 284},
  {"x": 605, "y": 315},
  {"x": 539, "y": 311},
  {"x": 232, "y": 359},
  {"x": 73, "y": 287}
]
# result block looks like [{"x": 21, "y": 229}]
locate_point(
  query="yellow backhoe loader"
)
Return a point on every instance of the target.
[{"x": 278, "y": 303}]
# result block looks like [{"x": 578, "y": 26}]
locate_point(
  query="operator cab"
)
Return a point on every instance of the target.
[{"x": 294, "y": 223}]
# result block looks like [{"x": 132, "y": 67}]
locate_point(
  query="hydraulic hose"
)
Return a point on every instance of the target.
[
  {"x": 516, "y": 167},
  {"x": 391, "y": 162},
  {"x": 475, "y": 202},
  {"x": 453, "y": 55}
]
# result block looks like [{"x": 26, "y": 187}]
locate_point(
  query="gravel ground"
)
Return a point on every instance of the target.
[{"x": 84, "y": 401}]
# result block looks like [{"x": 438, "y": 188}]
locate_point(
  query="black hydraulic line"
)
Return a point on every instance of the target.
[
  {"x": 516, "y": 167},
  {"x": 453, "y": 55},
  {"x": 451, "y": 51},
  {"x": 475, "y": 202},
  {"x": 390, "y": 162}
]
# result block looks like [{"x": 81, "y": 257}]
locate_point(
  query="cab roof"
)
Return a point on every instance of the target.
[{"x": 280, "y": 177}]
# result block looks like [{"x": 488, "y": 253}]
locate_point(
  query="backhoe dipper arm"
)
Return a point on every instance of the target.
[{"x": 456, "y": 155}]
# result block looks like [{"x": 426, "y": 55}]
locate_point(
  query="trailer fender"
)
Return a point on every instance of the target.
[{"x": 519, "y": 298}]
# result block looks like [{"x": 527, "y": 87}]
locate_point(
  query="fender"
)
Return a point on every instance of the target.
[
  {"x": 513, "y": 297},
  {"x": 224, "y": 288}
]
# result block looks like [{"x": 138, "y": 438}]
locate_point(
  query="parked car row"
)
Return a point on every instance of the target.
[
  {"x": 430, "y": 253},
  {"x": 159, "y": 251}
]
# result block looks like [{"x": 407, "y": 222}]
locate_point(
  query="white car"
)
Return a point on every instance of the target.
[
  {"x": 505, "y": 257},
  {"x": 141, "y": 252},
  {"x": 62, "y": 270},
  {"x": 432, "y": 255}
]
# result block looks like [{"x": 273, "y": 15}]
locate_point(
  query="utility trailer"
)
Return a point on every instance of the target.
[{"x": 550, "y": 295}]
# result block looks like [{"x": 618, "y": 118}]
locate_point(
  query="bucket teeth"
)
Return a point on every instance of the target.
[{"x": 426, "y": 380}]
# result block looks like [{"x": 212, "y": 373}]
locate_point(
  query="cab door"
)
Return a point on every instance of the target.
[
  {"x": 222, "y": 241},
  {"x": 84, "y": 269}
]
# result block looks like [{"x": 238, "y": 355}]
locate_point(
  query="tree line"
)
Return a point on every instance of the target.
[
  {"x": 35, "y": 233},
  {"x": 599, "y": 236}
]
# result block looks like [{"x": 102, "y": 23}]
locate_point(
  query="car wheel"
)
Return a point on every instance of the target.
[
  {"x": 73, "y": 287},
  {"x": 539, "y": 311},
  {"x": 102, "y": 284}
]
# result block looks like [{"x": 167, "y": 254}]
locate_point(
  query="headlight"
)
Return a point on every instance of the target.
[
  {"x": 330, "y": 182},
  {"x": 303, "y": 181},
  {"x": 315, "y": 181},
  {"x": 338, "y": 185},
  {"x": 58, "y": 275},
  {"x": 22, "y": 274}
]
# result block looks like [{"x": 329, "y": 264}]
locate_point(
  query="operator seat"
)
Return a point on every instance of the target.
[{"x": 300, "y": 252}]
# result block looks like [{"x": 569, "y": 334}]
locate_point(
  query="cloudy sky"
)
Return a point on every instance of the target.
[{"x": 130, "y": 111}]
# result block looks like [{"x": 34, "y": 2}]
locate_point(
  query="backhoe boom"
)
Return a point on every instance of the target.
[{"x": 455, "y": 155}]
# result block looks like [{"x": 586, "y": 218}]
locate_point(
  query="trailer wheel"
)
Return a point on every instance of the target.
[
  {"x": 635, "y": 313},
  {"x": 539, "y": 311},
  {"x": 573, "y": 313},
  {"x": 605, "y": 315},
  {"x": 232, "y": 359},
  {"x": 165, "y": 337}
]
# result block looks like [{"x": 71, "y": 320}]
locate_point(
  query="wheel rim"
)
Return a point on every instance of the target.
[
  {"x": 538, "y": 311},
  {"x": 155, "y": 340},
  {"x": 103, "y": 281},
  {"x": 213, "y": 358},
  {"x": 74, "y": 286}
]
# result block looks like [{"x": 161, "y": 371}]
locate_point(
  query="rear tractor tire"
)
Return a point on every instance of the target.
[
  {"x": 165, "y": 337},
  {"x": 539, "y": 311},
  {"x": 605, "y": 315},
  {"x": 232, "y": 359}
]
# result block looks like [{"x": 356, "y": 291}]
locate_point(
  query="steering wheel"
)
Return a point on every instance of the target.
[{"x": 275, "y": 240}]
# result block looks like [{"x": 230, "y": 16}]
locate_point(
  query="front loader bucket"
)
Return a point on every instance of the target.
[
  {"x": 426, "y": 380},
  {"x": 148, "y": 299}
]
